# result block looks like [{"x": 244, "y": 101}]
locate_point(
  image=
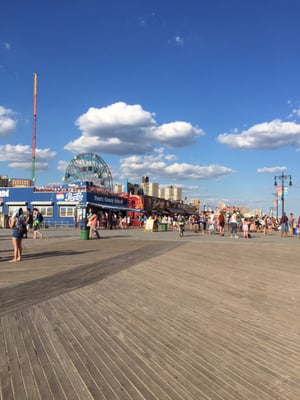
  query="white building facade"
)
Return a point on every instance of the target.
[
  {"x": 171, "y": 193},
  {"x": 151, "y": 189}
]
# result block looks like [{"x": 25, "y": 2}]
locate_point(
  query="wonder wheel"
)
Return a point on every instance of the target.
[{"x": 89, "y": 167}]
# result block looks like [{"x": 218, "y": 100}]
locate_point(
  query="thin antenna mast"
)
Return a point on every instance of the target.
[{"x": 34, "y": 129}]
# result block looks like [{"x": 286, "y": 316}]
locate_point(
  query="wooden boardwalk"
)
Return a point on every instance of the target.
[{"x": 131, "y": 319}]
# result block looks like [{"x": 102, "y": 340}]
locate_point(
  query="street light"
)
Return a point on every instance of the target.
[{"x": 282, "y": 178}]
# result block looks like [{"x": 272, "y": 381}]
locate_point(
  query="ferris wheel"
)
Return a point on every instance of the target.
[{"x": 91, "y": 168}]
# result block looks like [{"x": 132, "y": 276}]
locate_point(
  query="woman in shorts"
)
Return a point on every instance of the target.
[{"x": 17, "y": 224}]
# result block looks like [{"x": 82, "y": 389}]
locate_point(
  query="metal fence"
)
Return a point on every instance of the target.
[{"x": 57, "y": 224}]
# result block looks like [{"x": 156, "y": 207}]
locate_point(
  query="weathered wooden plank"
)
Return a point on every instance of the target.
[
  {"x": 33, "y": 356},
  {"x": 68, "y": 330},
  {"x": 216, "y": 341},
  {"x": 109, "y": 364},
  {"x": 24, "y": 364},
  {"x": 67, "y": 372},
  {"x": 16, "y": 376},
  {"x": 128, "y": 289},
  {"x": 5, "y": 373},
  {"x": 165, "y": 361},
  {"x": 33, "y": 291},
  {"x": 155, "y": 342},
  {"x": 45, "y": 358},
  {"x": 144, "y": 382},
  {"x": 142, "y": 356},
  {"x": 55, "y": 352}
]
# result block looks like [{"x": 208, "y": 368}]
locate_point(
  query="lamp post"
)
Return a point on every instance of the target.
[{"x": 282, "y": 178}]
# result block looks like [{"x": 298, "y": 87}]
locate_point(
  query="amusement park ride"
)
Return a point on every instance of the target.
[{"x": 89, "y": 167}]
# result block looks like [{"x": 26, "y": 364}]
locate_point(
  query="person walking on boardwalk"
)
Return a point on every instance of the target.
[
  {"x": 284, "y": 224},
  {"x": 264, "y": 224},
  {"x": 28, "y": 221},
  {"x": 221, "y": 219},
  {"x": 92, "y": 222},
  {"x": 211, "y": 223},
  {"x": 233, "y": 221},
  {"x": 291, "y": 224},
  {"x": 17, "y": 224},
  {"x": 37, "y": 220},
  {"x": 245, "y": 227}
]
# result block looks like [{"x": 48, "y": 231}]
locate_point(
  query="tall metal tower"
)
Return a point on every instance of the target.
[{"x": 34, "y": 129}]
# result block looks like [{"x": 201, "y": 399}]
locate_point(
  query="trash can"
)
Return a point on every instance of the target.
[
  {"x": 164, "y": 227},
  {"x": 84, "y": 233}
]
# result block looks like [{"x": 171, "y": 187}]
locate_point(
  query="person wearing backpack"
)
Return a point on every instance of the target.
[
  {"x": 28, "y": 222},
  {"x": 17, "y": 224},
  {"x": 37, "y": 220}
]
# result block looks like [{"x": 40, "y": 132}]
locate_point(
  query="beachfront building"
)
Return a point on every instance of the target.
[{"x": 62, "y": 205}]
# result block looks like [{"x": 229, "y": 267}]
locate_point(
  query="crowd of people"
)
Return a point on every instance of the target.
[
  {"x": 29, "y": 222},
  {"x": 234, "y": 224},
  {"x": 206, "y": 222}
]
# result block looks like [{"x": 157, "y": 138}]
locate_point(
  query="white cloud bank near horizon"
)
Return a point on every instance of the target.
[{"x": 157, "y": 166}]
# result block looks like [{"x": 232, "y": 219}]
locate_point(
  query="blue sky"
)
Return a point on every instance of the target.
[{"x": 200, "y": 94}]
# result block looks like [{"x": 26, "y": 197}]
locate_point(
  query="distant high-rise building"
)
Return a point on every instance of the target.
[
  {"x": 161, "y": 193},
  {"x": 171, "y": 193},
  {"x": 14, "y": 182},
  {"x": 3, "y": 181},
  {"x": 19, "y": 182},
  {"x": 151, "y": 189},
  {"x": 118, "y": 188}
]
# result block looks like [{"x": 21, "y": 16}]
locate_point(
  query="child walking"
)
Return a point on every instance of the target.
[{"x": 246, "y": 229}]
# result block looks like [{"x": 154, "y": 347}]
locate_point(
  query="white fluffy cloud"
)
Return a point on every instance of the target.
[
  {"x": 157, "y": 166},
  {"x": 195, "y": 172},
  {"x": 271, "y": 170},
  {"x": 267, "y": 135},
  {"x": 123, "y": 129},
  {"x": 62, "y": 165},
  {"x": 117, "y": 119},
  {"x": 19, "y": 157},
  {"x": 176, "y": 134},
  {"x": 7, "y": 122},
  {"x": 112, "y": 145}
]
